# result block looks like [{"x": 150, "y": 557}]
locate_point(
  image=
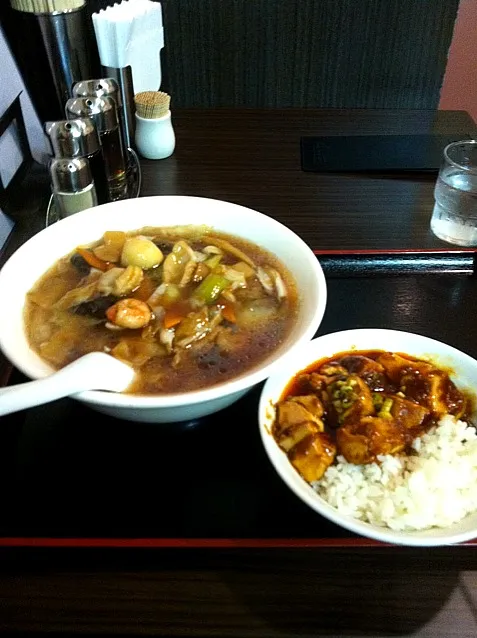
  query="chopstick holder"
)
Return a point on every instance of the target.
[{"x": 372, "y": 263}]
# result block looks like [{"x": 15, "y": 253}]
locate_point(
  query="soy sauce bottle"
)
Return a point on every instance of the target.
[
  {"x": 80, "y": 138},
  {"x": 103, "y": 112},
  {"x": 105, "y": 87}
]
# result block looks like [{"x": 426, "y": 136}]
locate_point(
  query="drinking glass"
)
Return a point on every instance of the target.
[{"x": 454, "y": 218}]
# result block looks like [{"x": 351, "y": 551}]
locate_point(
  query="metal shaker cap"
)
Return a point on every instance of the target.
[
  {"x": 102, "y": 110},
  {"x": 70, "y": 175},
  {"x": 99, "y": 88},
  {"x": 73, "y": 138}
]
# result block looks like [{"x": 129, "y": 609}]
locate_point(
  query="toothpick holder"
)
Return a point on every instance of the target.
[{"x": 155, "y": 138}]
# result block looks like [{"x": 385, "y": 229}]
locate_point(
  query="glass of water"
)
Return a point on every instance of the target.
[{"x": 454, "y": 218}]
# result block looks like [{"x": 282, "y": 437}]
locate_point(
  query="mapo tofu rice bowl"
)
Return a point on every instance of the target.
[
  {"x": 201, "y": 297},
  {"x": 375, "y": 430}
]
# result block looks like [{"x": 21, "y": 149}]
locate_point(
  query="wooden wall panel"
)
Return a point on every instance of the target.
[{"x": 322, "y": 53}]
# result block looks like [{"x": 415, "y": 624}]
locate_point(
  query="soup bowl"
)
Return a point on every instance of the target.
[
  {"x": 39, "y": 253},
  {"x": 463, "y": 372}
]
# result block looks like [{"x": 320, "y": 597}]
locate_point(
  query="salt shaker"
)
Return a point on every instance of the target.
[
  {"x": 71, "y": 139},
  {"x": 155, "y": 137},
  {"x": 103, "y": 112},
  {"x": 72, "y": 185}
]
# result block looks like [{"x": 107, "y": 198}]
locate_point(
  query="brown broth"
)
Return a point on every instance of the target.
[{"x": 61, "y": 336}]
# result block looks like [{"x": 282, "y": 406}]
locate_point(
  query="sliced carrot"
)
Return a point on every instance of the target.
[
  {"x": 92, "y": 260},
  {"x": 172, "y": 317},
  {"x": 228, "y": 311}
]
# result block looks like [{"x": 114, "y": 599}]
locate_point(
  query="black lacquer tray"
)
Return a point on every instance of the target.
[{"x": 74, "y": 477}]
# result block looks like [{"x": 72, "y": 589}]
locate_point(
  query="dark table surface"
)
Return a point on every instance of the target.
[{"x": 95, "y": 537}]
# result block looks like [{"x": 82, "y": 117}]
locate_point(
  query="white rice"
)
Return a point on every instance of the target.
[{"x": 434, "y": 488}]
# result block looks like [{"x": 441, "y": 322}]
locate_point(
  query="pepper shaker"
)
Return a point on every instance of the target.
[
  {"x": 79, "y": 138},
  {"x": 72, "y": 185}
]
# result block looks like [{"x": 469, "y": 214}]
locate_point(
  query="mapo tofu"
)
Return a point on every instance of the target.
[{"x": 361, "y": 405}]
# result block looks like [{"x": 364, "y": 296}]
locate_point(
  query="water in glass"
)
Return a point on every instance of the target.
[{"x": 454, "y": 218}]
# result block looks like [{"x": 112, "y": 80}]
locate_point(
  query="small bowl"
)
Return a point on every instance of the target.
[
  {"x": 38, "y": 254},
  {"x": 464, "y": 375}
]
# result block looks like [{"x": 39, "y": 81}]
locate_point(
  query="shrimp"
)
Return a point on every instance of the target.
[{"x": 130, "y": 313}]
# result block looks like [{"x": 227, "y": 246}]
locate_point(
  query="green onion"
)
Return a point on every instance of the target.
[
  {"x": 385, "y": 411},
  {"x": 213, "y": 262},
  {"x": 171, "y": 294},
  {"x": 378, "y": 400},
  {"x": 211, "y": 287}
]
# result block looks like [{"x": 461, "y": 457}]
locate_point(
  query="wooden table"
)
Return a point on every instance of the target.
[{"x": 286, "y": 580}]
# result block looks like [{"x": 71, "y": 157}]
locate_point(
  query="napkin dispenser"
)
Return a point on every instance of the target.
[{"x": 130, "y": 37}]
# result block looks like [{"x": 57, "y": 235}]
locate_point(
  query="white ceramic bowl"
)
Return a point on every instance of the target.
[
  {"x": 34, "y": 257},
  {"x": 464, "y": 375}
]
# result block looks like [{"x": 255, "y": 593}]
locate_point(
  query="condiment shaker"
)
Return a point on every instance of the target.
[
  {"x": 79, "y": 138},
  {"x": 72, "y": 185},
  {"x": 105, "y": 87},
  {"x": 103, "y": 112}
]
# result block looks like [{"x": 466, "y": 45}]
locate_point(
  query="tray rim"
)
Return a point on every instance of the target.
[{"x": 199, "y": 543}]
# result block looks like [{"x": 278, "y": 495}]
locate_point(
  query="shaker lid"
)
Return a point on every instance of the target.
[
  {"x": 70, "y": 175},
  {"x": 102, "y": 110},
  {"x": 73, "y": 138},
  {"x": 99, "y": 88},
  {"x": 47, "y": 6}
]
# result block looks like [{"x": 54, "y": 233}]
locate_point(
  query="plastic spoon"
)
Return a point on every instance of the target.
[{"x": 94, "y": 371}]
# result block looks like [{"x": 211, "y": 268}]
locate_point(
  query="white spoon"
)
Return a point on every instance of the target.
[{"x": 94, "y": 371}]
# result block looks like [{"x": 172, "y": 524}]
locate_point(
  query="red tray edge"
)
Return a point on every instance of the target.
[
  {"x": 393, "y": 251},
  {"x": 195, "y": 543}
]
